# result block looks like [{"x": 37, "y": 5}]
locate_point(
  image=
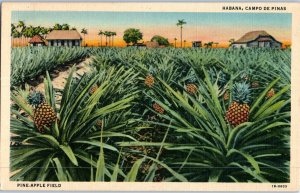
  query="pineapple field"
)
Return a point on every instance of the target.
[{"x": 152, "y": 115}]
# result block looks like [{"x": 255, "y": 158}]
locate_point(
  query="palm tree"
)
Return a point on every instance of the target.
[
  {"x": 113, "y": 34},
  {"x": 100, "y": 34},
  {"x": 106, "y": 33},
  {"x": 21, "y": 26},
  {"x": 57, "y": 26},
  {"x": 184, "y": 43},
  {"x": 65, "y": 26},
  {"x": 216, "y": 43},
  {"x": 28, "y": 32},
  {"x": 180, "y": 23},
  {"x": 37, "y": 30},
  {"x": 84, "y": 32},
  {"x": 12, "y": 28},
  {"x": 109, "y": 40},
  {"x": 12, "y": 32},
  {"x": 208, "y": 44},
  {"x": 175, "y": 39},
  {"x": 44, "y": 32}
]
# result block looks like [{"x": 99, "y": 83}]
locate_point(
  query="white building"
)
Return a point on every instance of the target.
[{"x": 64, "y": 38}]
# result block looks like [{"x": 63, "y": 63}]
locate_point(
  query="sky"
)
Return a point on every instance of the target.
[{"x": 205, "y": 27}]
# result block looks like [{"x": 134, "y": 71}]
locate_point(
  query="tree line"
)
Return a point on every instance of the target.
[
  {"x": 20, "y": 30},
  {"x": 131, "y": 36}
]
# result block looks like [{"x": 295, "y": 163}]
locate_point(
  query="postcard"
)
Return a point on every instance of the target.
[{"x": 125, "y": 96}]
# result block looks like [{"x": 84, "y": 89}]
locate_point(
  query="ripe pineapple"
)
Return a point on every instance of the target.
[
  {"x": 149, "y": 80},
  {"x": 191, "y": 88},
  {"x": 44, "y": 114},
  {"x": 93, "y": 89},
  {"x": 158, "y": 108},
  {"x": 238, "y": 111},
  {"x": 270, "y": 93}
]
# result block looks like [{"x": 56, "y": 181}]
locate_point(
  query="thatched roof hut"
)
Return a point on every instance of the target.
[
  {"x": 36, "y": 40},
  {"x": 257, "y": 39},
  {"x": 250, "y": 36}
]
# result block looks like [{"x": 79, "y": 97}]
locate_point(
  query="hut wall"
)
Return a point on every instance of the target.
[
  {"x": 152, "y": 44},
  {"x": 253, "y": 44},
  {"x": 239, "y": 45},
  {"x": 64, "y": 43},
  {"x": 276, "y": 44}
]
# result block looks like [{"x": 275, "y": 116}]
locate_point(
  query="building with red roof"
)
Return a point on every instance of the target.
[{"x": 36, "y": 40}]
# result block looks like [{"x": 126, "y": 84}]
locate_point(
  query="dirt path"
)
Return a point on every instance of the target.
[{"x": 60, "y": 81}]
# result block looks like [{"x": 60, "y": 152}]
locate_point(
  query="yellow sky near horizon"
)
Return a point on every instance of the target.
[{"x": 190, "y": 33}]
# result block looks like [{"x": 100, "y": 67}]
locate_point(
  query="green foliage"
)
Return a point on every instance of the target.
[
  {"x": 132, "y": 35},
  {"x": 35, "y": 98},
  {"x": 72, "y": 141},
  {"x": 29, "y": 62},
  {"x": 241, "y": 92},
  {"x": 190, "y": 140},
  {"x": 160, "y": 40}
]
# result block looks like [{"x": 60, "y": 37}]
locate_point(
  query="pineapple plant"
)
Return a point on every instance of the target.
[
  {"x": 191, "y": 87},
  {"x": 44, "y": 114},
  {"x": 270, "y": 93},
  {"x": 238, "y": 111},
  {"x": 158, "y": 108},
  {"x": 218, "y": 77}
]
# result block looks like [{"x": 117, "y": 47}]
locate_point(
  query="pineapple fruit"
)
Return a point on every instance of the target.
[
  {"x": 149, "y": 80},
  {"x": 158, "y": 108},
  {"x": 44, "y": 114},
  {"x": 191, "y": 88},
  {"x": 238, "y": 111},
  {"x": 93, "y": 89},
  {"x": 270, "y": 93}
]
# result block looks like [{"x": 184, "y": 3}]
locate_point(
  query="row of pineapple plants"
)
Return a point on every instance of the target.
[
  {"x": 28, "y": 63},
  {"x": 160, "y": 115}
]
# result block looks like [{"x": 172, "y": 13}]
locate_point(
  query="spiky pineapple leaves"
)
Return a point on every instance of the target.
[
  {"x": 19, "y": 99},
  {"x": 78, "y": 113},
  {"x": 272, "y": 105},
  {"x": 199, "y": 139},
  {"x": 49, "y": 91},
  {"x": 229, "y": 147}
]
